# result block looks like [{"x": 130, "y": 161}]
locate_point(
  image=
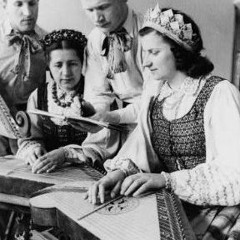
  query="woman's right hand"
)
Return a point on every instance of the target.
[
  {"x": 111, "y": 183},
  {"x": 35, "y": 153}
]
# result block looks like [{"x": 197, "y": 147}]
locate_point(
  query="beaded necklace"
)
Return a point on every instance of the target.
[{"x": 65, "y": 103}]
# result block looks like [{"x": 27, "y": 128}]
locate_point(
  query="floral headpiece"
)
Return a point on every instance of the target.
[
  {"x": 64, "y": 34},
  {"x": 172, "y": 25}
]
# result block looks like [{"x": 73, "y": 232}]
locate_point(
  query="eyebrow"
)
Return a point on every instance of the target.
[{"x": 103, "y": 5}]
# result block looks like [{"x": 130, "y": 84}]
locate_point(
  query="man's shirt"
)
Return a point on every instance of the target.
[
  {"x": 126, "y": 86},
  {"x": 16, "y": 86}
]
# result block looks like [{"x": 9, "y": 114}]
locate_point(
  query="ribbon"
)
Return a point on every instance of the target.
[
  {"x": 27, "y": 45},
  {"x": 114, "y": 46}
]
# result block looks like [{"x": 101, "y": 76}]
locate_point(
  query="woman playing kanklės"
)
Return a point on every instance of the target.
[
  {"x": 54, "y": 141},
  {"x": 188, "y": 133}
]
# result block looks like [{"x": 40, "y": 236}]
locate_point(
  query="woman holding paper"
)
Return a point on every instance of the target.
[{"x": 53, "y": 140}]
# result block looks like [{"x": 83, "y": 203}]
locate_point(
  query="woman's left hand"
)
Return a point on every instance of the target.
[
  {"x": 142, "y": 182},
  {"x": 49, "y": 161}
]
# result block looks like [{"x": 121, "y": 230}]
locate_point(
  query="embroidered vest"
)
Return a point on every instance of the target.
[
  {"x": 56, "y": 136},
  {"x": 180, "y": 143}
]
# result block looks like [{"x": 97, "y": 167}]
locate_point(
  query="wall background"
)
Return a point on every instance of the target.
[{"x": 215, "y": 19}]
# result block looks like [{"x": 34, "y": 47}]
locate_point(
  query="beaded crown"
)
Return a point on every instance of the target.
[
  {"x": 171, "y": 25},
  {"x": 64, "y": 34}
]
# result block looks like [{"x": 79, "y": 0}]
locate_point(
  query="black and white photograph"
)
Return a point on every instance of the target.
[{"x": 119, "y": 120}]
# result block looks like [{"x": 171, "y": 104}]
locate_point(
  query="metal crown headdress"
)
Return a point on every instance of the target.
[{"x": 170, "y": 24}]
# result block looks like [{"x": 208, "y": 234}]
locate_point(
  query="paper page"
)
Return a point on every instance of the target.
[{"x": 117, "y": 127}]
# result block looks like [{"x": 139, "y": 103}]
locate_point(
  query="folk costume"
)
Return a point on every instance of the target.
[
  {"x": 191, "y": 136},
  {"x": 22, "y": 70},
  {"x": 114, "y": 68},
  {"x": 53, "y": 133}
]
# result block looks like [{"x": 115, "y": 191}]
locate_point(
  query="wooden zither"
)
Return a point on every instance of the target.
[
  {"x": 157, "y": 216},
  {"x": 57, "y": 200},
  {"x": 17, "y": 179}
]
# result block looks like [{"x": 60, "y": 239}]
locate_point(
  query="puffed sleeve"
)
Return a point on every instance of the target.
[
  {"x": 216, "y": 182},
  {"x": 97, "y": 147}
]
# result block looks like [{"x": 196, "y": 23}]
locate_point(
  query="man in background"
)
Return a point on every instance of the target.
[
  {"x": 22, "y": 69},
  {"x": 114, "y": 60},
  {"x": 22, "y": 63}
]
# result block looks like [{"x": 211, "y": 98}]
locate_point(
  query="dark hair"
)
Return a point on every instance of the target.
[
  {"x": 189, "y": 61},
  {"x": 65, "y": 39},
  {"x": 65, "y": 44}
]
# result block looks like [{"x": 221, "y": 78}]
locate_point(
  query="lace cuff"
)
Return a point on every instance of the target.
[
  {"x": 126, "y": 165},
  {"x": 167, "y": 177},
  {"x": 26, "y": 148},
  {"x": 75, "y": 156}
]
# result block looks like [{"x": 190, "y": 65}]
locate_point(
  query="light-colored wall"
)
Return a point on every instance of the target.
[{"x": 215, "y": 18}]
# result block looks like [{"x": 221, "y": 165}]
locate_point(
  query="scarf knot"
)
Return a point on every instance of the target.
[
  {"x": 27, "y": 45},
  {"x": 114, "y": 46}
]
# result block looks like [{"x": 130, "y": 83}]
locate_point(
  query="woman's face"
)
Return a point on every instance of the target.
[
  {"x": 158, "y": 57},
  {"x": 66, "y": 68}
]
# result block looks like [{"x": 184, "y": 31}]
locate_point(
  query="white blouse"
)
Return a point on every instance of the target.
[{"x": 215, "y": 182}]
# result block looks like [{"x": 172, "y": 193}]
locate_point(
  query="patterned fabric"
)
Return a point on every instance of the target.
[
  {"x": 126, "y": 165},
  {"x": 173, "y": 223},
  {"x": 28, "y": 45},
  {"x": 220, "y": 223},
  {"x": 56, "y": 136},
  {"x": 22, "y": 63},
  {"x": 114, "y": 45},
  {"x": 181, "y": 143},
  {"x": 183, "y": 147}
]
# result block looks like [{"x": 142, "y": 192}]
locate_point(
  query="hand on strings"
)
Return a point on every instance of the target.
[
  {"x": 111, "y": 184},
  {"x": 141, "y": 183},
  {"x": 49, "y": 161},
  {"x": 35, "y": 153}
]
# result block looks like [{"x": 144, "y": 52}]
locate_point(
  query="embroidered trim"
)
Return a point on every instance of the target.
[
  {"x": 167, "y": 178},
  {"x": 126, "y": 165}
]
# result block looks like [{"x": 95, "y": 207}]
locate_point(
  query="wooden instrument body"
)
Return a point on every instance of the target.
[
  {"x": 61, "y": 204},
  {"x": 17, "y": 179},
  {"x": 156, "y": 216},
  {"x": 18, "y": 184}
]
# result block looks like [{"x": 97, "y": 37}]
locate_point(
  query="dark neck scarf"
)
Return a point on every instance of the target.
[
  {"x": 114, "y": 46},
  {"x": 27, "y": 44}
]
